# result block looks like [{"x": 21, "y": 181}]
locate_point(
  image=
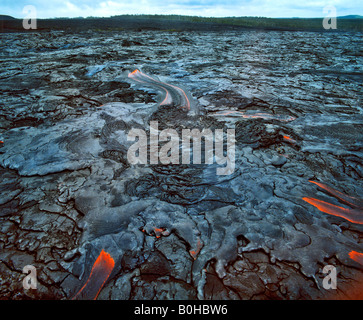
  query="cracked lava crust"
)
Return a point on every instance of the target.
[{"x": 96, "y": 227}]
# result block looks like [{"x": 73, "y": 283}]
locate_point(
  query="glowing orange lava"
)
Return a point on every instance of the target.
[
  {"x": 100, "y": 272},
  {"x": 351, "y": 215},
  {"x": 194, "y": 253},
  {"x": 354, "y": 215},
  {"x": 289, "y": 139},
  {"x": 345, "y": 198},
  {"x": 134, "y": 72},
  {"x": 356, "y": 256},
  {"x": 158, "y": 231}
]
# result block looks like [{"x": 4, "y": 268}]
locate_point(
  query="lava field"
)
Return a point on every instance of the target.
[{"x": 96, "y": 226}]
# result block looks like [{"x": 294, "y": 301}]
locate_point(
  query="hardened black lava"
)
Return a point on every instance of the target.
[{"x": 95, "y": 226}]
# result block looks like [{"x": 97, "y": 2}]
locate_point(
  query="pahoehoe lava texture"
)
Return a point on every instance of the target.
[{"x": 70, "y": 200}]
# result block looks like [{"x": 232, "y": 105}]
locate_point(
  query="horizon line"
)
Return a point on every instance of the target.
[{"x": 181, "y": 15}]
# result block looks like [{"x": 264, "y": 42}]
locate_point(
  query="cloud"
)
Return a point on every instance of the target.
[{"x": 105, "y": 8}]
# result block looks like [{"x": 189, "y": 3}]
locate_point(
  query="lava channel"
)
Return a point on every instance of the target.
[
  {"x": 100, "y": 272},
  {"x": 173, "y": 94},
  {"x": 352, "y": 215},
  {"x": 354, "y": 202},
  {"x": 356, "y": 256}
]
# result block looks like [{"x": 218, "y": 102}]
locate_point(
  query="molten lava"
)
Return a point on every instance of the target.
[
  {"x": 194, "y": 253},
  {"x": 356, "y": 256},
  {"x": 158, "y": 232},
  {"x": 352, "y": 215},
  {"x": 354, "y": 202},
  {"x": 289, "y": 139},
  {"x": 100, "y": 272},
  {"x": 134, "y": 72}
]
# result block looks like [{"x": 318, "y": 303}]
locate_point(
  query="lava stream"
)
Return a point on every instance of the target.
[
  {"x": 289, "y": 139},
  {"x": 100, "y": 272},
  {"x": 172, "y": 93},
  {"x": 352, "y": 215},
  {"x": 354, "y": 202},
  {"x": 194, "y": 253},
  {"x": 356, "y": 256}
]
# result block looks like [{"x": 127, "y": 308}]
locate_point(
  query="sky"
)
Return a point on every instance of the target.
[{"x": 206, "y": 8}]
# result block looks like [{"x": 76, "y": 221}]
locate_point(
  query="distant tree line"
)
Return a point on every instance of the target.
[
  {"x": 182, "y": 22},
  {"x": 344, "y": 23}
]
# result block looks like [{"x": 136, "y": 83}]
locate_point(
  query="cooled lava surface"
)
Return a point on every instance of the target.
[{"x": 97, "y": 227}]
